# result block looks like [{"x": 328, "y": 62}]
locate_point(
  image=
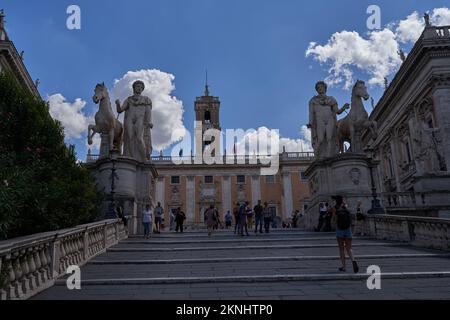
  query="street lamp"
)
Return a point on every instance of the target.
[
  {"x": 377, "y": 208},
  {"x": 111, "y": 212}
]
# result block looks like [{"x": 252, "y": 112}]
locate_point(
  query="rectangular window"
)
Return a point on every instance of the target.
[
  {"x": 270, "y": 179},
  {"x": 209, "y": 179},
  {"x": 241, "y": 179},
  {"x": 175, "y": 180}
]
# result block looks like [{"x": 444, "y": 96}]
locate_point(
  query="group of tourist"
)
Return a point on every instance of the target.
[{"x": 245, "y": 217}]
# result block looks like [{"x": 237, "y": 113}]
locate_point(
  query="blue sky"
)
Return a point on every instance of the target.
[{"x": 254, "y": 50}]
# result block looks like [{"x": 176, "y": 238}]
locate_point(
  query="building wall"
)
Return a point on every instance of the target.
[{"x": 255, "y": 188}]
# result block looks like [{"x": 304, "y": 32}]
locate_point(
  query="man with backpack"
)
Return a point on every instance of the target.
[{"x": 344, "y": 232}]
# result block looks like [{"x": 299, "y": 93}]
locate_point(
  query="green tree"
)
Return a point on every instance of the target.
[{"x": 42, "y": 188}]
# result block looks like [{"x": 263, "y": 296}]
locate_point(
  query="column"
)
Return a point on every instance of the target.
[
  {"x": 226, "y": 194},
  {"x": 441, "y": 102},
  {"x": 190, "y": 199},
  {"x": 256, "y": 190},
  {"x": 160, "y": 192},
  {"x": 287, "y": 187}
]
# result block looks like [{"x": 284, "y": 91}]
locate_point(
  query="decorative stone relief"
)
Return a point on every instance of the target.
[{"x": 355, "y": 176}]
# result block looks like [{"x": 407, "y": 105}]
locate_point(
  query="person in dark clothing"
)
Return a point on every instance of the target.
[
  {"x": 236, "y": 218},
  {"x": 179, "y": 220},
  {"x": 243, "y": 211},
  {"x": 328, "y": 218},
  {"x": 323, "y": 210},
  {"x": 267, "y": 217},
  {"x": 258, "y": 209},
  {"x": 121, "y": 215}
]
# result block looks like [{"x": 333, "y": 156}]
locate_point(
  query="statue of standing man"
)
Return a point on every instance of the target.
[
  {"x": 137, "y": 142},
  {"x": 323, "y": 111}
]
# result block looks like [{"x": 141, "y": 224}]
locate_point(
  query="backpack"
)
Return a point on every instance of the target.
[{"x": 344, "y": 220}]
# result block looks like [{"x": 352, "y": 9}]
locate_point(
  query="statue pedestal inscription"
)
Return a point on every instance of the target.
[{"x": 347, "y": 175}]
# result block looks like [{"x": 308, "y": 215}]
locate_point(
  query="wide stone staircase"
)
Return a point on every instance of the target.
[{"x": 285, "y": 264}]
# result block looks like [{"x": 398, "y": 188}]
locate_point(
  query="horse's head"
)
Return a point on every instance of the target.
[
  {"x": 360, "y": 90},
  {"x": 100, "y": 93}
]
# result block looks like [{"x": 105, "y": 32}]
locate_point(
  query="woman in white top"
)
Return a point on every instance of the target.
[{"x": 147, "y": 218}]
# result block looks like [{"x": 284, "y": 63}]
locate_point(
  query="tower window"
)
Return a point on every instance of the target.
[
  {"x": 175, "y": 180},
  {"x": 207, "y": 116}
]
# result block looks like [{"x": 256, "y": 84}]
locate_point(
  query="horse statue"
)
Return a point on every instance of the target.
[
  {"x": 351, "y": 127},
  {"x": 105, "y": 121}
]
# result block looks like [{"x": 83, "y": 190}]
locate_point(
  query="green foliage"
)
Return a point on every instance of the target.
[{"x": 42, "y": 188}]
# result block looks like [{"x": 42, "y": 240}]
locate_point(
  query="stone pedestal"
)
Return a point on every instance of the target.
[
  {"x": 431, "y": 191},
  {"x": 134, "y": 187},
  {"x": 347, "y": 175}
]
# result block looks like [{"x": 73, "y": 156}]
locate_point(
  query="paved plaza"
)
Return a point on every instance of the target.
[{"x": 286, "y": 264}]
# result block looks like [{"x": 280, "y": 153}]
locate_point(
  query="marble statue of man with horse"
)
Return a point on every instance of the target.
[
  {"x": 135, "y": 134},
  {"x": 328, "y": 134}
]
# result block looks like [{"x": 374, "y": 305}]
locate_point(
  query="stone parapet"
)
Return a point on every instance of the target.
[
  {"x": 32, "y": 264},
  {"x": 422, "y": 232}
]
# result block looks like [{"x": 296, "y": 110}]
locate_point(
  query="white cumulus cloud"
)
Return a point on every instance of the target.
[
  {"x": 167, "y": 110},
  {"x": 375, "y": 54},
  {"x": 264, "y": 136},
  {"x": 70, "y": 114}
]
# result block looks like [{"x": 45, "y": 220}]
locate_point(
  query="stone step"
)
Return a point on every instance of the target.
[
  {"x": 263, "y": 259},
  {"x": 259, "y": 279},
  {"x": 230, "y": 234},
  {"x": 236, "y": 240},
  {"x": 246, "y": 253},
  {"x": 249, "y": 247},
  {"x": 255, "y": 267}
]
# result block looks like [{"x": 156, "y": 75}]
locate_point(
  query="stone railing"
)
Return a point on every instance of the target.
[
  {"x": 423, "y": 232},
  {"x": 31, "y": 264},
  {"x": 399, "y": 200},
  {"x": 227, "y": 159}
]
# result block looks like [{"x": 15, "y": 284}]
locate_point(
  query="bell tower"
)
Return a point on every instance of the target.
[{"x": 207, "y": 116}]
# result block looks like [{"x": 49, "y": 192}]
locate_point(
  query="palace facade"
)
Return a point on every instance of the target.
[
  {"x": 413, "y": 143},
  {"x": 12, "y": 62}
]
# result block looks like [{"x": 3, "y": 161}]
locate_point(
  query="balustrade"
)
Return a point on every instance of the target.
[{"x": 31, "y": 264}]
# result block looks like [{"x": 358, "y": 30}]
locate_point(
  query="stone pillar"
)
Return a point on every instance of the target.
[
  {"x": 395, "y": 157},
  {"x": 160, "y": 192},
  {"x": 256, "y": 190},
  {"x": 441, "y": 102},
  {"x": 287, "y": 188},
  {"x": 190, "y": 199},
  {"x": 226, "y": 194}
]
